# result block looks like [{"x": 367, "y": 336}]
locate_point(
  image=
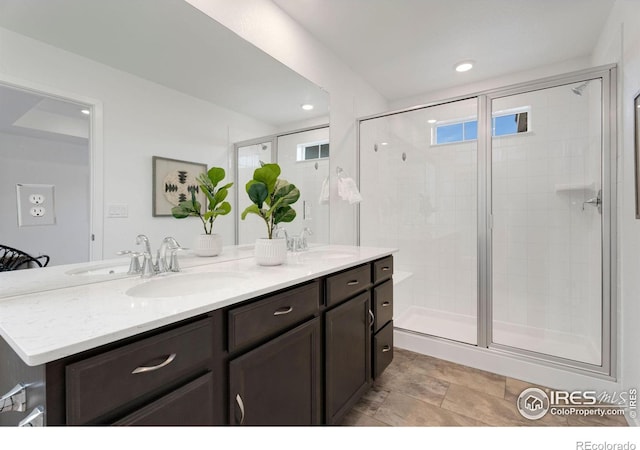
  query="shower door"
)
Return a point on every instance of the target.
[
  {"x": 547, "y": 222},
  {"x": 418, "y": 180}
]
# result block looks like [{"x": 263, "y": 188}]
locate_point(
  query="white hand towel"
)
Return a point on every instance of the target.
[
  {"x": 324, "y": 192},
  {"x": 348, "y": 190}
]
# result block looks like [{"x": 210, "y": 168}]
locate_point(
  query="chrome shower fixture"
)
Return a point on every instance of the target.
[{"x": 578, "y": 89}]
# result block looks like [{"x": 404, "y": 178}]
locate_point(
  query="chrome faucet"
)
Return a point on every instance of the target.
[
  {"x": 149, "y": 268},
  {"x": 306, "y": 231},
  {"x": 168, "y": 243}
]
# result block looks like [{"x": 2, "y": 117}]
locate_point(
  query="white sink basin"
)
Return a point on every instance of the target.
[
  {"x": 100, "y": 270},
  {"x": 186, "y": 284},
  {"x": 329, "y": 254}
]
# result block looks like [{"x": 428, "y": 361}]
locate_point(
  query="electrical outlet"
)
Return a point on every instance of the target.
[
  {"x": 35, "y": 204},
  {"x": 38, "y": 211},
  {"x": 36, "y": 199}
]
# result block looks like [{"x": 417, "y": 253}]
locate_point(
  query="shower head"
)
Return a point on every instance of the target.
[{"x": 578, "y": 89}]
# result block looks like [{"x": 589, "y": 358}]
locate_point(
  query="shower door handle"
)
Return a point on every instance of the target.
[{"x": 595, "y": 201}]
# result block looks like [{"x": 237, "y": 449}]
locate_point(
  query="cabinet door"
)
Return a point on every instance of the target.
[
  {"x": 279, "y": 382},
  {"x": 348, "y": 355}
]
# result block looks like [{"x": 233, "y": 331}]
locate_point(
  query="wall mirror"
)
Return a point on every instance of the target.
[{"x": 159, "y": 78}]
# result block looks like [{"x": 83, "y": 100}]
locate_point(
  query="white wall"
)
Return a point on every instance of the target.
[
  {"x": 620, "y": 43},
  {"x": 141, "y": 119},
  {"x": 29, "y": 160},
  {"x": 265, "y": 25}
]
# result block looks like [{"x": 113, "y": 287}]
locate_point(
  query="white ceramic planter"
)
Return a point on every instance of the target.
[
  {"x": 271, "y": 252},
  {"x": 207, "y": 245}
]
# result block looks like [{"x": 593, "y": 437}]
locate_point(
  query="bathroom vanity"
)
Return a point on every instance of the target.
[{"x": 222, "y": 343}]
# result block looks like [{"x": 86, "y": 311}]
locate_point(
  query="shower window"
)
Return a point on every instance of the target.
[
  {"x": 313, "y": 151},
  {"x": 504, "y": 123}
]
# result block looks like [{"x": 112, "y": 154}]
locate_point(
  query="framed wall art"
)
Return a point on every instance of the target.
[{"x": 173, "y": 181}]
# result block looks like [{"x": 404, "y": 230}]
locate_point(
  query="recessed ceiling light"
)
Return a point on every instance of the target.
[
  {"x": 432, "y": 120},
  {"x": 384, "y": 143},
  {"x": 307, "y": 107},
  {"x": 464, "y": 66},
  {"x": 85, "y": 111}
]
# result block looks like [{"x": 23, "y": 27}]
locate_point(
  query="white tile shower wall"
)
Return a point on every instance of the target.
[
  {"x": 546, "y": 262},
  {"x": 425, "y": 205}
]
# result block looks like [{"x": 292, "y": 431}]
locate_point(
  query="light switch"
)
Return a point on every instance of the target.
[
  {"x": 118, "y": 211},
  {"x": 36, "y": 204}
]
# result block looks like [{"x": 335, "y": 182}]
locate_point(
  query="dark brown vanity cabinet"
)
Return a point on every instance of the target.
[
  {"x": 300, "y": 356},
  {"x": 275, "y": 371}
]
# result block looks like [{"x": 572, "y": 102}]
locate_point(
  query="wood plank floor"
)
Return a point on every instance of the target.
[{"x": 418, "y": 390}]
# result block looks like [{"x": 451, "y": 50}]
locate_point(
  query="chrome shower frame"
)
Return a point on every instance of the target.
[{"x": 608, "y": 367}]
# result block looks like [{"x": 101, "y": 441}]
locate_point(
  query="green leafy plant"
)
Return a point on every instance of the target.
[
  {"x": 217, "y": 206},
  {"x": 272, "y": 197}
]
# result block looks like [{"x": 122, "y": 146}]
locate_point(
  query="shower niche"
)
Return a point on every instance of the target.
[{"x": 502, "y": 211}]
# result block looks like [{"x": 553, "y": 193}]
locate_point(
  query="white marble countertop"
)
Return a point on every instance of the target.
[{"x": 58, "y": 321}]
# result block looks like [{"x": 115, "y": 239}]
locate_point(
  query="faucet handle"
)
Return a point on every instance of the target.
[
  {"x": 174, "y": 265},
  {"x": 134, "y": 264},
  {"x": 147, "y": 266}
]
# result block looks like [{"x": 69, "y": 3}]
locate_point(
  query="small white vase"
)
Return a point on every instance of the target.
[
  {"x": 207, "y": 245},
  {"x": 271, "y": 252}
]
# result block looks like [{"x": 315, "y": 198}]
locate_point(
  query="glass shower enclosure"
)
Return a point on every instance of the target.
[{"x": 501, "y": 205}]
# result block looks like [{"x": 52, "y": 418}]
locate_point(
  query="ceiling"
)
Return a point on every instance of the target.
[
  {"x": 409, "y": 47},
  {"x": 173, "y": 44}
]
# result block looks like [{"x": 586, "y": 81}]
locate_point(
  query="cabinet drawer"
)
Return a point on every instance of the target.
[
  {"x": 267, "y": 317},
  {"x": 382, "y": 269},
  {"x": 346, "y": 284},
  {"x": 382, "y": 349},
  {"x": 190, "y": 405},
  {"x": 98, "y": 385},
  {"x": 382, "y": 304}
]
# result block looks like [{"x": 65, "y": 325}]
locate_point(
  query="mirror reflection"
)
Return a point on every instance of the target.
[
  {"x": 182, "y": 86},
  {"x": 303, "y": 156}
]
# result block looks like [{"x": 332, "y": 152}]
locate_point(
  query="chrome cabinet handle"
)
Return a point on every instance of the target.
[
  {"x": 15, "y": 399},
  {"x": 386, "y": 268},
  {"x": 386, "y": 349},
  {"x": 34, "y": 419},
  {"x": 353, "y": 283},
  {"x": 283, "y": 310},
  {"x": 373, "y": 318},
  {"x": 385, "y": 304},
  {"x": 241, "y": 405},
  {"x": 164, "y": 363}
]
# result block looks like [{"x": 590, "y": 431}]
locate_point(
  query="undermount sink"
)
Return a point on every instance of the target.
[
  {"x": 329, "y": 254},
  {"x": 100, "y": 270},
  {"x": 186, "y": 284}
]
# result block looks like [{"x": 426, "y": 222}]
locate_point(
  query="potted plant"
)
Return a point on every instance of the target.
[
  {"x": 207, "y": 244},
  {"x": 272, "y": 198}
]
